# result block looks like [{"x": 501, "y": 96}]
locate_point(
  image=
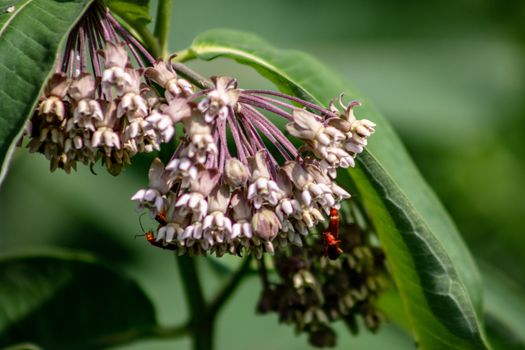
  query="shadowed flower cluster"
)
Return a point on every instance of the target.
[{"x": 314, "y": 291}]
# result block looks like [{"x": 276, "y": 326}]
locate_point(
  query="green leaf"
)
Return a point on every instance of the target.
[
  {"x": 132, "y": 11},
  {"x": 391, "y": 304},
  {"x": 67, "y": 301},
  {"x": 505, "y": 310},
  {"x": 30, "y": 37},
  {"x": 435, "y": 273}
]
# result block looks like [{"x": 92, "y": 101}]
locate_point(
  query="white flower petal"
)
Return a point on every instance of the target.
[
  {"x": 139, "y": 195},
  {"x": 183, "y": 200}
]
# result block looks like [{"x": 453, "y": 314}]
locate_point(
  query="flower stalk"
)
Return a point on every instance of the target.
[
  {"x": 162, "y": 26},
  {"x": 203, "y": 314},
  {"x": 200, "y": 323}
]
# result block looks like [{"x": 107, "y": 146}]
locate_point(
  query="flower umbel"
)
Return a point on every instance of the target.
[
  {"x": 99, "y": 106},
  {"x": 258, "y": 192},
  {"x": 235, "y": 182}
]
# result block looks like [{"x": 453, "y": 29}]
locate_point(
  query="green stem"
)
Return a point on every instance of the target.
[
  {"x": 203, "y": 317},
  {"x": 201, "y": 324},
  {"x": 185, "y": 55},
  {"x": 263, "y": 273},
  {"x": 192, "y": 76},
  {"x": 230, "y": 286},
  {"x": 162, "y": 26},
  {"x": 192, "y": 285},
  {"x": 149, "y": 40}
]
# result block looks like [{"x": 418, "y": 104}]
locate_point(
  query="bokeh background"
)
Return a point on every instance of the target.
[{"x": 450, "y": 77}]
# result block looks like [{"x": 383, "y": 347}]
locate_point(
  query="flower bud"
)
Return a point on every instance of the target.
[
  {"x": 305, "y": 125},
  {"x": 266, "y": 224},
  {"x": 236, "y": 173}
]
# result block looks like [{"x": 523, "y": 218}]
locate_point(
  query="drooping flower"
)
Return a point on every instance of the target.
[
  {"x": 194, "y": 202},
  {"x": 73, "y": 122},
  {"x": 163, "y": 74},
  {"x": 52, "y": 106},
  {"x": 235, "y": 194},
  {"x": 235, "y": 181},
  {"x": 154, "y": 197},
  {"x": 116, "y": 73},
  {"x": 218, "y": 101}
]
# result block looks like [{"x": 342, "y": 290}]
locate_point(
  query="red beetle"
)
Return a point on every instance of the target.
[
  {"x": 150, "y": 236},
  {"x": 161, "y": 219},
  {"x": 331, "y": 236}
]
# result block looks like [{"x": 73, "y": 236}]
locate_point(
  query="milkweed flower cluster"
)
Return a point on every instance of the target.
[
  {"x": 98, "y": 106},
  {"x": 257, "y": 192},
  {"x": 235, "y": 181}
]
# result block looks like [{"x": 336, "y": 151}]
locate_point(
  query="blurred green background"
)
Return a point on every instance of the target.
[{"x": 449, "y": 75}]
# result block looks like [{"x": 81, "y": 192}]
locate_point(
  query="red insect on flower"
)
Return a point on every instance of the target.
[
  {"x": 161, "y": 219},
  {"x": 331, "y": 236},
  {"x": 150, "y": 236}
]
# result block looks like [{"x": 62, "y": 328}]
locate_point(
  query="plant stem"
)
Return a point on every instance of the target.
[
  {"x": 185, "y": 55},
  {"x": 263, "y": 273},
  {"x": 202, "y": 316},
  {"x": 149, "y": 40},
  {"x": 162, "y": 26},
  {"x": 201, "y": 325},
  {"x": 192, "y": 285},
  {"x": 202, "y": 319},
  {"x": 230, "y": 286},
  {"x": 192, "y": 76}
]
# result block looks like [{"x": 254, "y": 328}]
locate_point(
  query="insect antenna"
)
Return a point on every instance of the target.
[{"x": 141, "y": 227}]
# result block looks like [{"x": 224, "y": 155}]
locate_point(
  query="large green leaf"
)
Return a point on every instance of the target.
[
  {"x": 505, "y": 310},
  {"x": 67, "y": 301},
  {"x": 436, "y": 276},
  {"x": 31, "y": 33},
  {"x": 132, "y": 11}
]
